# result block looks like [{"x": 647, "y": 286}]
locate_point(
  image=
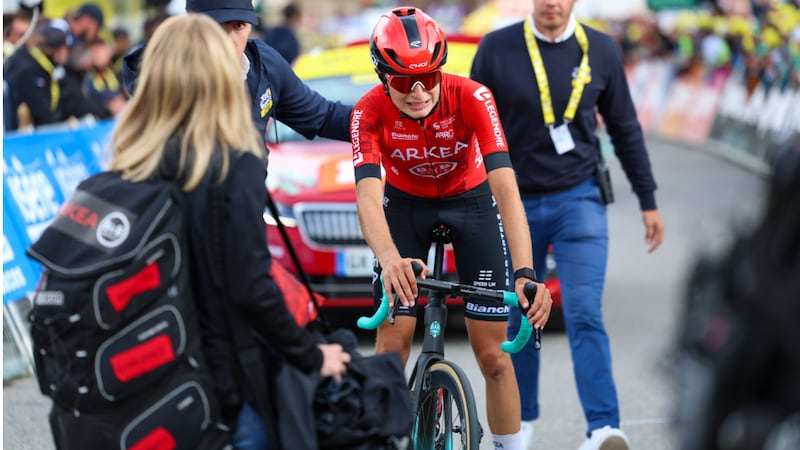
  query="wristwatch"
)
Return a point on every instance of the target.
[{"x": 525, "y": 272}]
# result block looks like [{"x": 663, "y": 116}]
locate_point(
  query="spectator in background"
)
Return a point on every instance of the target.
[
  {"x": 151, "y": 24},
  {"x": 101, "y": 83},
  {"x": 283, "y": 37},
  {"x": 122, "y": 45},
  {"x": 715, "y": 50},
  {"x": 14, "y": 27},
  {"x": 33, "y": 73},
  {"x": 148, "y": 28},
  {"x": 84, "y": 24}
]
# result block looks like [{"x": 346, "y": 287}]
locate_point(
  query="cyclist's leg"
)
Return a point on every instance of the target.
[
  {"x": 526, "y": 361},
  {"x": 502, "y": 394},
  {"x": 410, "y": 226},
  {"x": 480, "y": 252},
  {"x": 581, "y": 249}
]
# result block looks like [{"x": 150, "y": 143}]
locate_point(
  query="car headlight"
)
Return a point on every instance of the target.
[{"x": 285, "y": 215}]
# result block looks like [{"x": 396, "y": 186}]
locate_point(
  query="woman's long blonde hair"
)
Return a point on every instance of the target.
[{"x": 191, "y": 87}]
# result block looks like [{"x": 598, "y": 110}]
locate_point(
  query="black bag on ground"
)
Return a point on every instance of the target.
[
  {"x": 369, "y": 409},
  {"x": 114, "y": 327}
]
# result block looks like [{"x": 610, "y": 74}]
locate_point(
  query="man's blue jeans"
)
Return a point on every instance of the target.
[
  {"x": 575, "y": 223},
  {"x": 250, "y": 433}
]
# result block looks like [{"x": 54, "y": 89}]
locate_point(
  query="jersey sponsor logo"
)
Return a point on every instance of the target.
[
  {"x": 444, "y": 123},
  {"x": 447, "y": 134},
  {"x": 355, "y": 133},
  {"x": 404, "y": 136},
  {"x": 481, "y": 309},
  {"x": 483, "y": 94},
  {"x": 486, "y": 275},
  {"x": 433, "y": 170},
  {"x": 478, "y": 155},
  {"x": 410, "y": 154}
]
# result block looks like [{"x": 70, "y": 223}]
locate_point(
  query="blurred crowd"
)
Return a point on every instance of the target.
[
  {"x": 66, "y": 68},
  {"x": 762, "y": 48},
  {"x": 59, "y": 69}
]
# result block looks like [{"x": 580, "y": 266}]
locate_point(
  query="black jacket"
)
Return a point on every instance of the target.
[
  {"x": 245, "y": 265},
  {"x": 31, "y": 84}
]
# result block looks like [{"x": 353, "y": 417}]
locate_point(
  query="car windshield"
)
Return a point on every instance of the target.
[{"x": 346, "y": 89}]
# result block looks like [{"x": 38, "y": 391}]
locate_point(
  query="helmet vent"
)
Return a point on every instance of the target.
[
  {"x": 412, "y": 30},
  {"x": 436, "y": 50},
  {"x": 393, "y": 55}
]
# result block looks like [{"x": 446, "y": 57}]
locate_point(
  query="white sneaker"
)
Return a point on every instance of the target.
[
  {"x": 526, "y": 431},
  {"x": 606, "y": 438}
]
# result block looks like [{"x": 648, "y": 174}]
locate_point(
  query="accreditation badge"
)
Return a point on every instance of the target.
[{"x": 562, "y": 138}]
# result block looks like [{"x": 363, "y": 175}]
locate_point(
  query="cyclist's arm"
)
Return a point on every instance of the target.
[
  {"x": 480, "y": 114},
  {"x": 504, "y": 188},
  {"x": 397, "y": 273},
  {"x": 515, "y": 223}
]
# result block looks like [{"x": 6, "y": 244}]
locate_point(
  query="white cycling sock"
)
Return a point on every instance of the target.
[{"x": 508, "y": 441}]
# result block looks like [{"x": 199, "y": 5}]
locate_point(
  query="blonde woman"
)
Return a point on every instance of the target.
[{"x": 191, "y": 106}]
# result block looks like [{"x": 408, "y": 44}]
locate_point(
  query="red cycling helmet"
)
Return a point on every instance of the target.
[{"x": 406, "y": 41}]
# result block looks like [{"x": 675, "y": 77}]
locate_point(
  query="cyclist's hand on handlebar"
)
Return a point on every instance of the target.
[
  {"x": 539, "y": 311},
  {"x": 399, "y": 278}
]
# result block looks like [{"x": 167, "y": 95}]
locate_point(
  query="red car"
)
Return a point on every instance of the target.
[{"x": 313, "y": 186}]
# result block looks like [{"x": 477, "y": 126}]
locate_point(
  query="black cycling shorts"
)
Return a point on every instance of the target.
[{"x": 478, "y": 239}]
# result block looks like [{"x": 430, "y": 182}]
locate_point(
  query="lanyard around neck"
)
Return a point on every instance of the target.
[
  {"x": 55, "y": 92},
  {"x": 541, "y": 75},
  {"x": 104, "y": 80}
]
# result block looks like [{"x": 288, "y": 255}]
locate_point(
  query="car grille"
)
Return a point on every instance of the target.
[{"x": 329, "y": 224}]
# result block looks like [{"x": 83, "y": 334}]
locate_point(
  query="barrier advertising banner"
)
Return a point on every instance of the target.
[{"x": 40, "y": 171}]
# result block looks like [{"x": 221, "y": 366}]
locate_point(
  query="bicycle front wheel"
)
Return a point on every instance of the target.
[{"x": 446, "y": 416}]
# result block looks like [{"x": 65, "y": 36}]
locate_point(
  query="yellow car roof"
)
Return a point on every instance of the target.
[{"x": 354, "y": 60}]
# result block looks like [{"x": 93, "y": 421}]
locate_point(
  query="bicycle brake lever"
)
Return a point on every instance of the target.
[
  {"x": 530, "y": 293},
  {"x": 393, "y": 309}
]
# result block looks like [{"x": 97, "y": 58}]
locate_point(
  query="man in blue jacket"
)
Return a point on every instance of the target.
[
  {"x": 548, "y": 109},
  {"x": 276, "y": 90}
]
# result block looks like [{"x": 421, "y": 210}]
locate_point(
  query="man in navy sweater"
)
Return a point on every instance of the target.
[{"x": 548, "y": 74}]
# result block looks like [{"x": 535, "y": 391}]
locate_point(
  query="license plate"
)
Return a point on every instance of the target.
[{"x": 354, "y": 262}]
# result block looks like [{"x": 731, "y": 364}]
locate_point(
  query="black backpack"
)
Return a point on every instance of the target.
[{"x": 114, "y": 327}]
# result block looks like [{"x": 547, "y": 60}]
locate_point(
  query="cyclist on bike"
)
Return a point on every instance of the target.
[{"x": 445, "y": 156}]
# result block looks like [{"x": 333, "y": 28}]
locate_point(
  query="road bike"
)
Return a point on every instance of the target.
[{"x": 446, "y": 416}]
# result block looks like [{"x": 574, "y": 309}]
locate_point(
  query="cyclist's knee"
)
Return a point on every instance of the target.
[{"x": 494, "y": 364}]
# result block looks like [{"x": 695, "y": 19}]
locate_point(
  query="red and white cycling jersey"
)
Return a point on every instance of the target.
[{"x": 439, "y": 156}]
